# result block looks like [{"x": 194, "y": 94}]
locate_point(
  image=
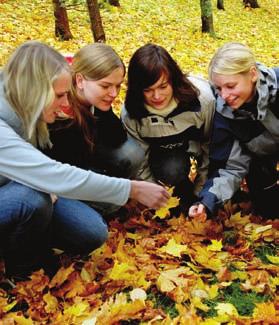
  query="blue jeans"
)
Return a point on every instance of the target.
[{"x": 30, "y": 225}]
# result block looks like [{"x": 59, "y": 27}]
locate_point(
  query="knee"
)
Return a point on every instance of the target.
[
  {"x": 38, "y": 203},
  {"x": 129, "y": 158},
  {"x": 94, "y": 239},
  {"x": 26, "y": 204}
]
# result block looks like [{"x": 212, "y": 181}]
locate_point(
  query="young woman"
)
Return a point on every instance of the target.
[
  {"x": 245, "y": 140},
  {"x": 169, "y": 114},
  {"x": 93, "y": 137},
  {"x": 34, "y": 84}
]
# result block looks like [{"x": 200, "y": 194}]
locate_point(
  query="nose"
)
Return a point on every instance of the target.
[
  {"x": 156, "y": 94},
  {"x": 224, "y": 93},
  {"x": 65, "y": 100},
  {"x": 113, "y": 92}
]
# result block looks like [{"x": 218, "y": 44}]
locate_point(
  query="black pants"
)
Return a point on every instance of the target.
[
  {"x": 172, "y": 166},
  {"x": 262, "y": 182}
]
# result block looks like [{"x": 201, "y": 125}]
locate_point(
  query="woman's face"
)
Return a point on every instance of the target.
[
  {"x": 100, "y": 93},
  {"x": 236, "y": 89},
  {"x": 61, "y": 87},
  {"x": 159, "y": 94}
]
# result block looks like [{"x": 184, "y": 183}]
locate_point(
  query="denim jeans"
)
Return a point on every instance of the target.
[{"x": 30, "y": 225}]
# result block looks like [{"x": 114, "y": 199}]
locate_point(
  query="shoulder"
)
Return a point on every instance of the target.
[{"x": 206, "y": 95}]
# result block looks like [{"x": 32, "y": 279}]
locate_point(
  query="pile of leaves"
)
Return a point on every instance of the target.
[{"x": 159, "y": 269}]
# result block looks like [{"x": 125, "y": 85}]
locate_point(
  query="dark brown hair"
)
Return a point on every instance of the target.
[{"x": 146, "y": 67}]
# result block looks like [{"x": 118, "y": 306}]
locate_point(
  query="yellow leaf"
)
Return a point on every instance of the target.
[
  {"x": 262, "y": 229},
  {"x": 164, "y": 212},
  {"x": 76, "y": 310},
  {"x": 226, "y": 309},
  {"x": 51, "y": 302},
  {"x": 273, "y": 259},
  {"x": 21, "y": 320},
  {"x": 216, "y": 245},
  {"x": 210, "y": 322},
  {"x": 173, "y": 248},
  {"x": 121, "y": 271},
  {"x": 264, "y": 311},
  {"x": 9, "y": 306},
  {"x": 169, "y": 279}
]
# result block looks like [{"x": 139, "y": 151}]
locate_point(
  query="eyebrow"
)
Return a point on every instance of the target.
[{"x": 161, "y": 84}]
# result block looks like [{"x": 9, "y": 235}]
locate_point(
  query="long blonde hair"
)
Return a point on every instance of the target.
[
  {"x": 94, "y": 62},
  {"x": 28, "y": 80},
  {"x": 231, "y": 58}
]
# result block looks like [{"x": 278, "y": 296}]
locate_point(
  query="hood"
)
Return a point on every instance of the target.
[{"x": 266, "y": 88}]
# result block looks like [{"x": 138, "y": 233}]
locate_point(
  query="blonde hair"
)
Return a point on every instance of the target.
[
  {"x": 94, "y": 62},
  {"x": 231, "y": 58},
  {"x": 28, "y": 80}
]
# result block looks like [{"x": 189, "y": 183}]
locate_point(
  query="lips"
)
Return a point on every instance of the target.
[{"x": 158, "y": 103}]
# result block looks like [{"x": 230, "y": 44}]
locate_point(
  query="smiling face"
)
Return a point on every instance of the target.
[
  {"x": 61, "y": 87},
  {"x": 100, "y": 93},
  {"x": 236, "y": 89},
  {"x": 159, "y": 94}
]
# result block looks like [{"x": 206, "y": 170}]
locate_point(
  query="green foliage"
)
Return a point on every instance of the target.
[
  {"x": 164, "y": 302},
  {"x": 244, "y": 302},
  {"x": 268, "y": 249}
]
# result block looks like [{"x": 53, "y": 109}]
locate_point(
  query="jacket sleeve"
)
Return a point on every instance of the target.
[
  {"x": 23, "y": 163},
  {"x": 207, "y": 101},
  {"x": 133, "y": 128},
  {"x": 229, "y": 164}
]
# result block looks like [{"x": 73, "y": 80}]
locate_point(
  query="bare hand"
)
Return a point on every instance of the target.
[
  {"x": 53, "y": 198},
  {"x": 197, "y": 211},
  {"x": 152, "y": 195}
]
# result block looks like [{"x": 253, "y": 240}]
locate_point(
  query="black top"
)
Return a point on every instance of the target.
[{"x": 70, "y": 146}]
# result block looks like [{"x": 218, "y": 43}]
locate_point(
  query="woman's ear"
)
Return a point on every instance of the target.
[
  {"x": 254, "y": 73},
  {"x": 79, "y": 81}
]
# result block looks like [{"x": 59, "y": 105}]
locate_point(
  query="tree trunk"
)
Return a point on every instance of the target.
[
  {"x": 62, "y": 28},
  {"x": 251, "y": 3},
  {"x": 207, "y": 17},
  {"x": 114, "y": 3},
  {"x": 96, "y": 21},
  {"x": 220, "y": 5}
]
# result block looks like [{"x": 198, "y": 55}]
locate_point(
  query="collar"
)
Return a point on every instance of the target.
[
  {"x": 266, "y": 91},
  {"x": 162, "y": 112}
]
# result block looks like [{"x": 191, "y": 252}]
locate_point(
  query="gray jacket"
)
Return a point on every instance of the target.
[
  {"x": 251, "y": 131},
  {"x": 22, "y": 162},
  {"x": 197, "y": 118}
]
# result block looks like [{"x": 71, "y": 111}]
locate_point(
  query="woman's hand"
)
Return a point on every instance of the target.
[
  {"x": 53, "y": 198},
  {"x": 197, "y": 211},
  {"x": 152, "y": 195}
]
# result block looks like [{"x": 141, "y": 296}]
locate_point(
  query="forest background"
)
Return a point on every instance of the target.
[
  {"x": 174, "y": 24},
  {"x": 156, "y": 270}
]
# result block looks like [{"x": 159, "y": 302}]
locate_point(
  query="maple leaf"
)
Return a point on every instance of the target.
[
  {"x": 265, "y": 312},
  {"x": 78, "y": 309},
  {"x": 173, "y": 248},
  {"x": 169, "y": 279},
  {"x": 215, "y": 246},
  {"x": 173, "y": 202},
  {"x": 51, "y": 302}
]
